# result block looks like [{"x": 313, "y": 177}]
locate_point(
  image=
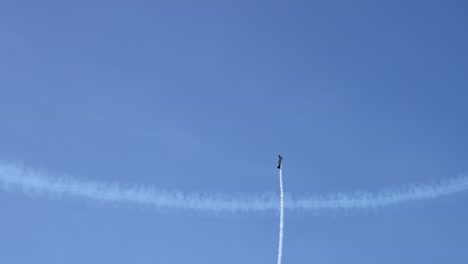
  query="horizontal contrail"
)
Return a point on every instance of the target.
[{"x": 19, "y": 178}]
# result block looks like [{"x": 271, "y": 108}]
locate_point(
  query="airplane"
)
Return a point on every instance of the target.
[{"x": 280, "y": 161}]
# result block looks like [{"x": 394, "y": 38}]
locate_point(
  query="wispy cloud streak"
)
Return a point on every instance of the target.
[{"x": 19, "y": 178}]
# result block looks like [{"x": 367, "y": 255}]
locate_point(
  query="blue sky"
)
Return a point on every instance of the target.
[{"x": 201, "y": 97}]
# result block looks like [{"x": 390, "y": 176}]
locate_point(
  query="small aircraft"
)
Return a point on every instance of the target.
[{"x": 280, "y": 161}]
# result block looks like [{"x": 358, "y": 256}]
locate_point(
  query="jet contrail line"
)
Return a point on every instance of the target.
[
  {"x": 281, "y": 227},
  {"x": 14, "y": 178}
]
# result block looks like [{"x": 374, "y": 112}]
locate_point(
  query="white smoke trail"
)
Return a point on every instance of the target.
[
  {"x": 14, "y": 177},
  {"x": 281, "y": 228}
]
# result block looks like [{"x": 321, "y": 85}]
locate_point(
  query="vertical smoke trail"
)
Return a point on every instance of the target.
[{"x": 281, "y": 229}]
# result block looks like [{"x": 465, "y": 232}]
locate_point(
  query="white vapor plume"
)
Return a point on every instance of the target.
[
  {"x": 18, "y": 178},
  {"x": 281, "y": 228}
]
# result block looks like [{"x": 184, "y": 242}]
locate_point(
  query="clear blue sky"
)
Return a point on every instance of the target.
[{"x": 202, "y": 95}]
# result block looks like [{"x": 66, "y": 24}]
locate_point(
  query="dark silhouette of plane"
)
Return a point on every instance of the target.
[{"x": 280, "y": 161}]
